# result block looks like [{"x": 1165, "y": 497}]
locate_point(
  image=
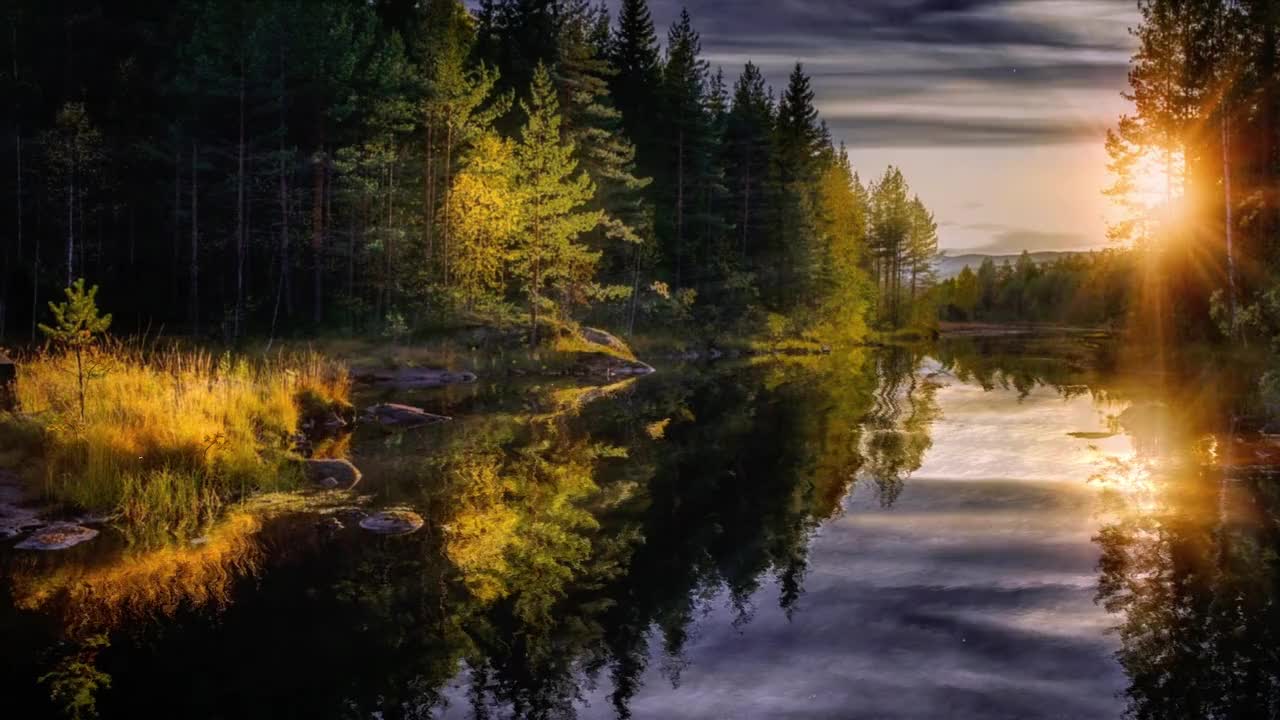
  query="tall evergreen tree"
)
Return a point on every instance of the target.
[
  {"x": 555, "y": 194},
  {"x": 635, "y": 54},
  {"x": 748, "y": 148},
  {"x": 799, "y": 143},
  {"x": 686, "y": 143}
]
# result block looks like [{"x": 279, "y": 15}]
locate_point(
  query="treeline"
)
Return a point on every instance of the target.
[
  {"x": 236, "y": 167},
  {"x": 1196, "y": 167},
  {"x": 1084, "y": 289}
]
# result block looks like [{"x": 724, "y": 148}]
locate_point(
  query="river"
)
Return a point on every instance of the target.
[{"x": 1004, "y": 527}]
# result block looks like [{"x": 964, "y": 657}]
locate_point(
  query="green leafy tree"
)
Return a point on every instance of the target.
[{"x": 76, "y": 328}]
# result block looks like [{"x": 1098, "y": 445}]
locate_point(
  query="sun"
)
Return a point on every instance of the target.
[{"x": 1158, "y": 182}]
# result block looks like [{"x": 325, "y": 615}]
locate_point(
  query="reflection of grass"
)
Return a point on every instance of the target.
[
  {"x": 157, "y": 581},
  {"x": 572, "y": 399},
  {"x": 166, "y": 436}
]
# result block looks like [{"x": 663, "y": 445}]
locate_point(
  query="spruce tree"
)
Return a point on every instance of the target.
[
  {"x": 685, "y": 130},
  {"x": 748, "y": 145},
  {"x": 635, "y": 87}
]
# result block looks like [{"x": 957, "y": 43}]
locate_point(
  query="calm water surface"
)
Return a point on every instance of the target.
[{"x": 989, "y": 528}]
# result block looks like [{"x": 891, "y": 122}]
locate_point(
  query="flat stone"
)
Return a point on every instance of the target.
[
  {"x": 58, "y": 536},
  {"x": 393, "y": 522}
]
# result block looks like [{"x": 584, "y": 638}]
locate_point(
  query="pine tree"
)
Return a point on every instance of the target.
[
  {"x": 555, "y": 195},
  {"x": 76, "y": 330},
  {"x": 890, "y": 231}
]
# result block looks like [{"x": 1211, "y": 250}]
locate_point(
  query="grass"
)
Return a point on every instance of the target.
[{"x": 167, "y": 436}]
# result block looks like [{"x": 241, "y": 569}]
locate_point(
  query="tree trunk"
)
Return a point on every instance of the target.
[
  {"x": 35, "y": 283},
  {"x": 533, "y": 306},
  {"x": 193, "y": 308},
  {"x": 318, "y": 228},
  {"x": 635, "y": 291},
  {"x": 746, "y": 208},
  {"x": 71, "y": 224},
  {"x": 448, "y": 182},
  {"x": 679, "y": 205},
  {"x": 282, "y": 288},
  {"x": 240, "y": 217},
  {"x": 429, "y": 202},
  {"x": 177, "y": 224},
  {"x": 17, "y": 135},
  {"x": 1229, "y": 221}
]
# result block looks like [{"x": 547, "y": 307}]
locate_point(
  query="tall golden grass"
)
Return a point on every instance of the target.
[{"x": 168, "y": 435}]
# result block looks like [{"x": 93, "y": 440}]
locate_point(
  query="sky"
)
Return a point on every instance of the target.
[{"x": 994, "y": 109}]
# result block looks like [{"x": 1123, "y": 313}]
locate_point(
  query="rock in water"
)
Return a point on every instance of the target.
[
  {"x": 392, "y": 522},
  {"x": 15, "y": 518},
  {"x": 57, "y": 537},
  {"x": 331, "y": 474},
  {"x": 404, "y": 416},
  {"x": 414, "y": 377}
]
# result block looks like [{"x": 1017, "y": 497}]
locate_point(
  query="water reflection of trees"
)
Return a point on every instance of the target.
[
  {"x": 1068, "y": 365},
  {"x": 560, "y": 550},
  {"x": 898, "y": 425},
  {"x": 1189, "y": 566}
]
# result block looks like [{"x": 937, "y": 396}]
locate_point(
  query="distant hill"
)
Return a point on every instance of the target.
[{"x": 950, "y": 265}]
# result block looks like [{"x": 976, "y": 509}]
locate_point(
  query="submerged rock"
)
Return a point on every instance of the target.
[
  {"x": 59, "y": 536},
  {"x": 331, "y": 474},
  {"x": 405, "y": 416},
  {"x": 15, "y": 518},
  {"x": 414, "y": 377},
  {"x": 393, "y": 522}
]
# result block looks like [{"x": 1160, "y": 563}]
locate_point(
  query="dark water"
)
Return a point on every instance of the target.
[{"x": 998, "y": 528}]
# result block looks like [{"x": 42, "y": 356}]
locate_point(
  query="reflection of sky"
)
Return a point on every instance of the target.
[{"x": 970, "y": 598}]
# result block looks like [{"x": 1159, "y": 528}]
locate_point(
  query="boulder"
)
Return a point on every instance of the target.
[
  {"x": 600, "y": 337},
  {"x": 402, "y": 416},
  {"x": 58, "y": 536},
  {"x": 393, "y": 522},
  {"x": 331, "y": 474}
]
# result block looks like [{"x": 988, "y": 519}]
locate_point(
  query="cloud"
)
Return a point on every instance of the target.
[
  {"x": 1006, "y": 239},
  {"x": 908, "y": 130}
]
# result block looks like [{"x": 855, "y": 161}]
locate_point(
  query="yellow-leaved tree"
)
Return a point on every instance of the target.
[
  {"x": 844, "y": 289},
  {"x": 485, "y": 209}
]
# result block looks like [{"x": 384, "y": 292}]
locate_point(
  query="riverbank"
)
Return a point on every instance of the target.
[{"x": 162, "y": 440}]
